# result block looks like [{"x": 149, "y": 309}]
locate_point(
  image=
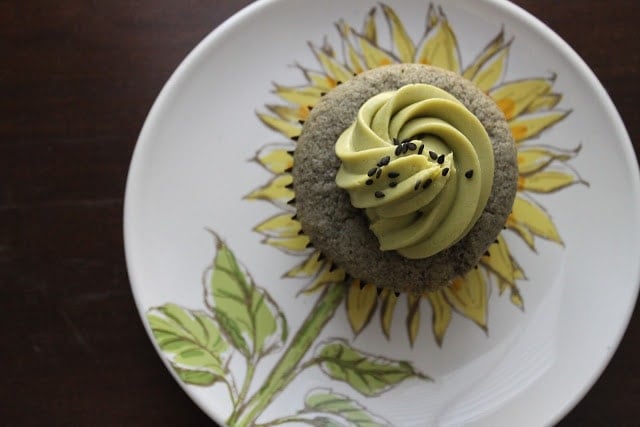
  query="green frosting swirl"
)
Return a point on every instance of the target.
[{"x": 420, "y": 164}]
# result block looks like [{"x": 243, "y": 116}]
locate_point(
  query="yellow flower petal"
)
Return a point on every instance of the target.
[
  {"x": 500, "y": 261},
  {"x": 489, "y": 51},
  {"x": 351, "y": 54},
  {"x": 329, "y": 274},
  {"x": 332, "y": 67},
  {"x": 285, "y": 127},
  {"x": 361, "y": 304},
  {"x": 403, "y": 44},
  {"x": 276, "y": 158},
  {"x": 535, "y": 159},
  {"x": 369, "y": 29},
  {"x": 374, "y": 56},
  {"x": 309, "y": 267},
  {"x": 514, "y": 97},
  {"x": 318, "y": 79},
  {"x": 502, "y": 286},
  {"x": 303, "y": 96},
  {"x": 413, "y": 318},
  {"x": 547, "y": 181},
  {"x": 521, "y": 231},
  {"x": 439, "y": 46},
  {"x": 468, "y": 295},
  {"x": 291, "y": 114},
  {"x": 292, "y": 245},
  {"x": 530, "y": 125},
  {"x": 279, "y": 226},
  {"x": 441, "y": 315},
  {"x": 544, "y": 102},
  {"x": 389, "y": 301},
  {"x": 535, "y": 219},
  {"x": 276, "y": 191},
  {"x": 493, "y": 70},
  {"x": 514, "y": 297}
]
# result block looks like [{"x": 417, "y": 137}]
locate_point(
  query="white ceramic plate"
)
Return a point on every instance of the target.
[{"x": 247, "y": 346}]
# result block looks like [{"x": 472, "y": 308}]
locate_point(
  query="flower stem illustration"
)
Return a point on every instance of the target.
[{"x": 285, "y": 369}]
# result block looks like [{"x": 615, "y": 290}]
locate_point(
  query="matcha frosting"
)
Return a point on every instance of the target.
[{"x": 420, "y": 164}]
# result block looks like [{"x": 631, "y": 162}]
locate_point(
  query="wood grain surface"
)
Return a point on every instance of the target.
[{"x": 77, "y": 79}]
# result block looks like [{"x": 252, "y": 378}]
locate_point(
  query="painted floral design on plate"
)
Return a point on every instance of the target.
[{"x": 239, "y": 319}]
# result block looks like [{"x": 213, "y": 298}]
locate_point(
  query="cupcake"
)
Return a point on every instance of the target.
[{"x": 404, "y": 175}]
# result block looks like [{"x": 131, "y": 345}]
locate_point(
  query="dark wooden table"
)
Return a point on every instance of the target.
[{"x": 77, "y": 79}]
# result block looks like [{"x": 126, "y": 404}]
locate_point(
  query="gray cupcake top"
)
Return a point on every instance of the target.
[{"x": 342, "y": 232}]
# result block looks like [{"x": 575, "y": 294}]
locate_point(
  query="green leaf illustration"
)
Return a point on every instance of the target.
[
  {"x": 201, "y": 378},
  {"x": 343, "y": 410},
  {"x": 191, "y": 341},
  {"x": 249, "y": 318},
  {"x": 326, "y": 422},
  {"x": 370, "y": 375}
]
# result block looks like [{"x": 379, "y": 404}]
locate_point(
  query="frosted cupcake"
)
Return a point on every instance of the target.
[{"x": 404, "y": 176}]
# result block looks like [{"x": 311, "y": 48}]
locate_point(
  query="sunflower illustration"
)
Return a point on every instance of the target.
[{"x": 529, "y": 105}]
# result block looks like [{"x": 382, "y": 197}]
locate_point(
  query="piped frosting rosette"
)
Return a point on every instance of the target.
[{"x": 420, "y": 164}]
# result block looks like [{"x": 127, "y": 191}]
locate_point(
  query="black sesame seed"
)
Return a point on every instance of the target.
[
  {"x": 412, "y": 146},
  {"x": 397, "y": 294},
  {"x": 415, "y": 187},
  {"x": 398, "y": 150},
  {"x": 379, "y": 173},
  {"x": 404, "y": 141},
  {"x": 469, "y": 173},
  {"x": 405, "y": 148},
  {"x": 393, "y": 184},
  {"x": 393, "y": 174},
  {"x": 427, "y": 183},
  {"x": 433, "y": 154},
  {"x": 379, "y": 194},
  {"x": 372, "y": 171},
  {"x": 384, "y": 161},
  {"x": 445, "y": 171},
  {"x": 441, "y": 159},
  {"x": 421, "y": 149},
  {"x": 369, "y": 182},
  {"x": 295, "y": 137}
]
